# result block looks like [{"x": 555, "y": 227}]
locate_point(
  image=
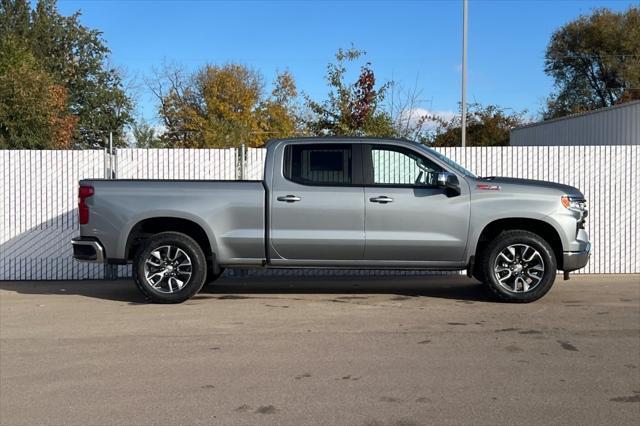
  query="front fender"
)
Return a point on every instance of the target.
[{"x": 489, "y": 209}]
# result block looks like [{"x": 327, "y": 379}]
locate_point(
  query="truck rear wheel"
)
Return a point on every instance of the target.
[
  {"x": 170, "y": 268},
  {"x": 518, "y": 266}
]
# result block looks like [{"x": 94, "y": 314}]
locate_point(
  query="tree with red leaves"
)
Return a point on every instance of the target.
[{"x": 351, "y": 109}]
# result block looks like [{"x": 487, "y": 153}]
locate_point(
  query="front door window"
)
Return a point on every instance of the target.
[{"x": 397, "y": 167}]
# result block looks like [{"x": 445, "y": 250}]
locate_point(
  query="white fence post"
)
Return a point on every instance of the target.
[
  {"x": 242, "y": 158},
  {"x": 111, "y": 271}
]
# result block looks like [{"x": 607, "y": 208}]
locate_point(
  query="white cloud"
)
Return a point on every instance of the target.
[{"x": 413, "y": 117}]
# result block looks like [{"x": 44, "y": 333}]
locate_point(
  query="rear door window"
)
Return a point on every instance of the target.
[{"x": 319, "y": 164}]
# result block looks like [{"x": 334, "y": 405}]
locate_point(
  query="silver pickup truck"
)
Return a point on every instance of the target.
[{"x": 337, "y": 203}]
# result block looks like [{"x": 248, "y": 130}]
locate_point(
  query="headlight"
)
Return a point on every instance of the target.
[
  {"x": 574, "y": 203},
  {"x": 578, "y": 205}
]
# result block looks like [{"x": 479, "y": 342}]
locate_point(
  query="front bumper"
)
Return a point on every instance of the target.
[
  {"x": 573, "y": 260},
  {"x": 88, "y": 250}
]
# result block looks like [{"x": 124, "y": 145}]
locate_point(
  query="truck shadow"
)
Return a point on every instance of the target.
[
  {"x": 124, "y": 290},
  {"x": 121, "y": 290},
  {"x": 455, "y": 287}
]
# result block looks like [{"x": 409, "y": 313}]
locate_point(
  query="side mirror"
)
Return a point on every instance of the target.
[{"x": 449, "y": 181}]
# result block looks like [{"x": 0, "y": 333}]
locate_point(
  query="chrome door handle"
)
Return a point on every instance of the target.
[
  {"x": 383, "y": 199},
  {"x": 289, "y": 198}
]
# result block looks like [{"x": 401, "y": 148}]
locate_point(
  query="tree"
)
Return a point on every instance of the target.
[
  {"x": 353, "y": 109},
  {"x": 76, "y": 59},
  {"x": 222, "y": 106},
  {"x": 595, "y": 62},
  {"x": 146, "y": 136},
  {"x": 410, "y": 121},
  {"x": 486, "y": 126},
  {"x": 278, "y": 115},
  {"x": 33, "y": 109}
]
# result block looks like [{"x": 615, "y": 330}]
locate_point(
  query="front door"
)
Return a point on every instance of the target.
[
  {"x": 407, "y": 217},
  {"x": 317, "y": 204}
]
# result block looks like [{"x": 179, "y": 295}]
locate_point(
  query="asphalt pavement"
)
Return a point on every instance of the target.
[{"x": 326, "y": 351}]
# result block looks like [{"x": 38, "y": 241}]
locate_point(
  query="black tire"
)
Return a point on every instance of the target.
[
  {"x": 197, "y": 260},
  {"x": 518, "y": 237}
]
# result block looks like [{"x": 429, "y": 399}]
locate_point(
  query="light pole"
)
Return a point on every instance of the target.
[{"x": 465, "y": 7}]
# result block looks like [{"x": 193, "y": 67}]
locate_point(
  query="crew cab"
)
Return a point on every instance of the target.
[{"x": 337, "y": 203}]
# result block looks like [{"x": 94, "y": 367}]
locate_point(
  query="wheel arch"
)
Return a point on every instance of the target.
[
  {"x": 539, "y": 227},
  {"x": 149, "y": 226}
]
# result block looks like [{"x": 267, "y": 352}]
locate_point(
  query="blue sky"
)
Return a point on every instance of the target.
[{"x": 417, "y": 43}]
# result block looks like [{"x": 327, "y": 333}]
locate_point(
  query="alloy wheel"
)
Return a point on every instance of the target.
[
  {"x": 167, "y": 269},
  {"x": 519, "y": 268}
]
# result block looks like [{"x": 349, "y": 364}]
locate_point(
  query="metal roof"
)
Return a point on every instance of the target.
[
  {"x": 579, "y": 114},
  {"x": 616, "y": 125}
]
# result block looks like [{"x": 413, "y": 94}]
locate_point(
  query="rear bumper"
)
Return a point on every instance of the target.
[
  {"x": 88, "y": 250},
  {"x": 573, "y": 260}
]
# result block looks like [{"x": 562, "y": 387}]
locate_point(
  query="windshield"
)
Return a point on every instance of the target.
[{"x": 449, "y": 162}]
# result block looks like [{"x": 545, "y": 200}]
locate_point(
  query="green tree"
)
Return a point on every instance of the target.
[
  {"x": 353, "y": 109},
  {"x": 595, "y": 62},
  {"x": 146, "y": 136},
  {"x": 33, "y": 109},
  {"x": 76, "y": 58},
  {"x": 486, "y": 126},
  {"x": 223, "y": 106}
]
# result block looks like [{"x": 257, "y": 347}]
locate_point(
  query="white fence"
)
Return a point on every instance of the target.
[
  {"x": 39, "y": 214},
  {"x": 39, "y": 191},
  {"x": 205, "y": 164}
]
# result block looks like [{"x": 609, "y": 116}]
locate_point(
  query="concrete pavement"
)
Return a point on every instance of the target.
[{"x": 356, "y": 351}]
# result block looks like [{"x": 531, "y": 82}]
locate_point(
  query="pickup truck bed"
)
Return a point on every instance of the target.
[{"x": 232, "y": 213}]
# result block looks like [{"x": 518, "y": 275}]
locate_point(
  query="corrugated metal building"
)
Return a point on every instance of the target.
[{"x": 616, "y": 125}]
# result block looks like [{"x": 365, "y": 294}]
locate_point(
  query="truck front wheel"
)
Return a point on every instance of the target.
[
  {"x": 518, "y": 266},
  {"x": 170, "y": 268}
]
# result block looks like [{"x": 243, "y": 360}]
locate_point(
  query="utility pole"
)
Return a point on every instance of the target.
[{"x": 465, "y": 7}]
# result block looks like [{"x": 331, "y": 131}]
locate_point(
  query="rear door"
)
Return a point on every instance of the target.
[
  {"x": 409, "y": 218},
  {"x": 317, "y": 204}
]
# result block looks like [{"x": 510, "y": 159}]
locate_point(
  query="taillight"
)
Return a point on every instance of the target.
[{"x": 84, "y": 192}]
